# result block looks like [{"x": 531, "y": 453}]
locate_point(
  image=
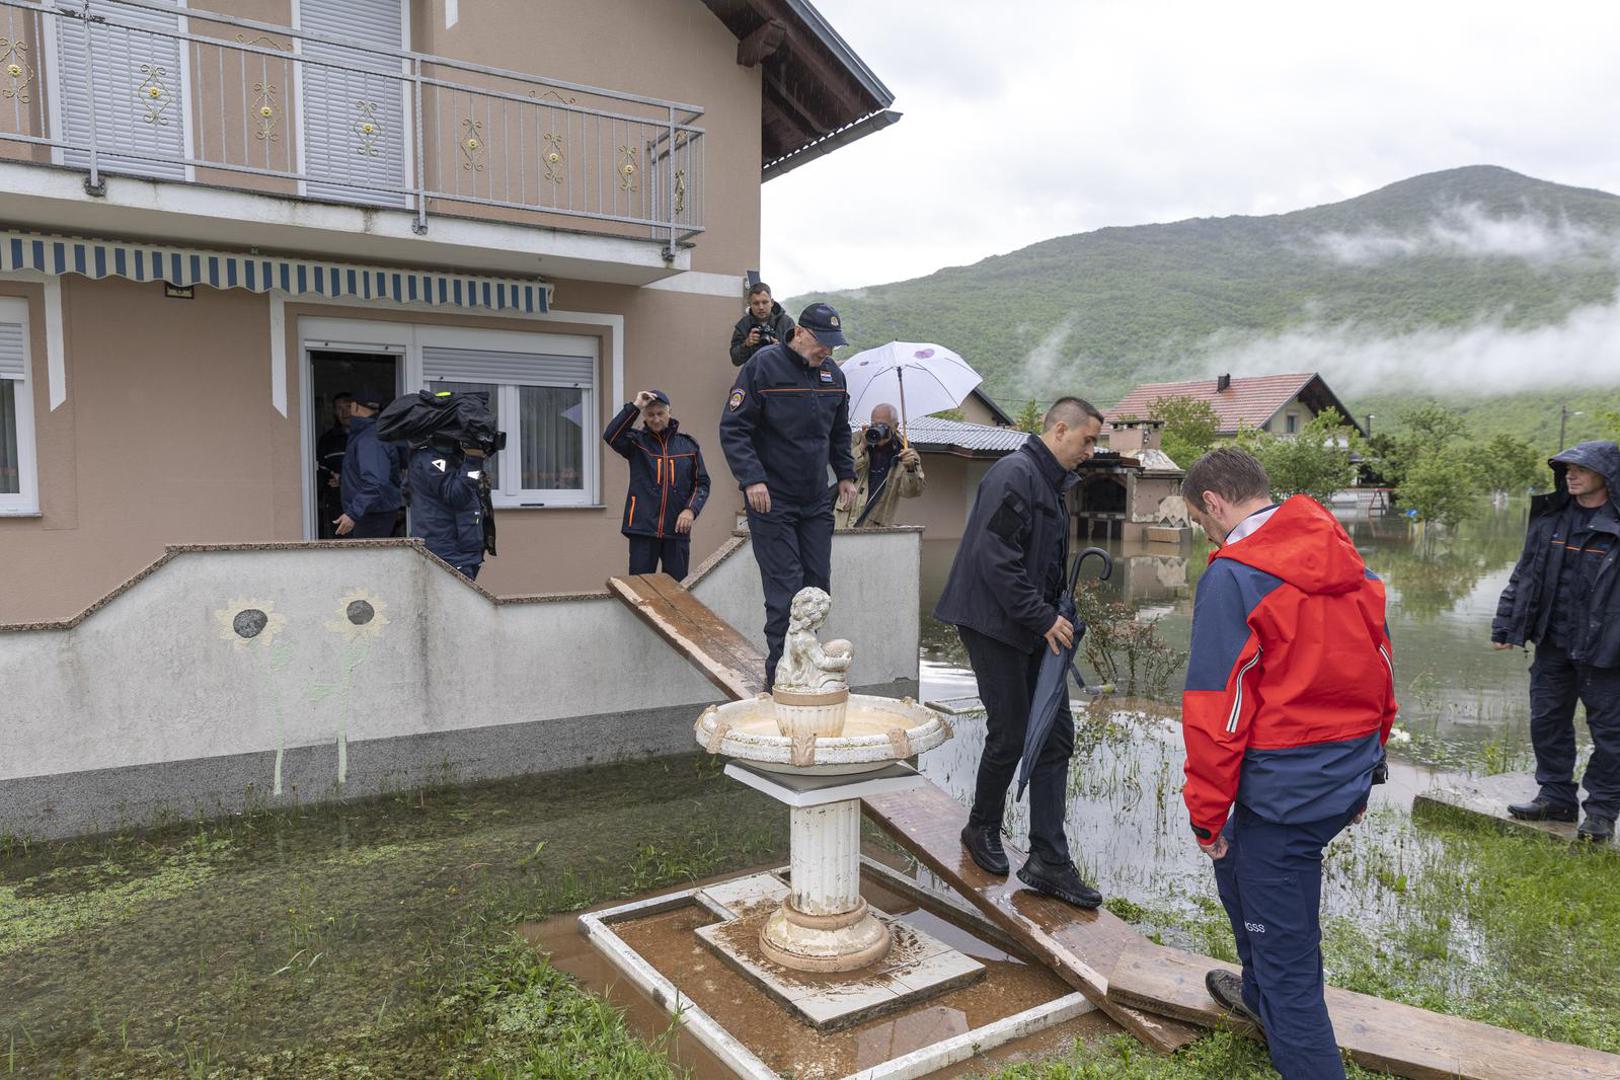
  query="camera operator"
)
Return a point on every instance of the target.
[
  {"x": 885, "y": 472},
  {"x": 765, "y": 323},
  {"x": 450, "y": 502}
]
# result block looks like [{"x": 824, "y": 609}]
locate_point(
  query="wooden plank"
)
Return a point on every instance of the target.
[
  {"x": 1079, "y": 946},
  {"x": 712, "y": 645},
  {"x": 1487, "y": 798},
  {"x": 1378, "y": 1034}
]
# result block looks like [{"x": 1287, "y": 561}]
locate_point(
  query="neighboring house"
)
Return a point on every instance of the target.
[
  {"x": 1133, "y": 493},
  {"x": 219, "y": 214},
  {"x": 1281, "y": 404},
  {"x": 981, "y": 408}
]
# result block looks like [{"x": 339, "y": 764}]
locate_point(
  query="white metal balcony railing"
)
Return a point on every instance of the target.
[{"x": 146, "y": 88}]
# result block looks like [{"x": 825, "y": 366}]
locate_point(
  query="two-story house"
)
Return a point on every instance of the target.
[{"x": 215, "y": 215}]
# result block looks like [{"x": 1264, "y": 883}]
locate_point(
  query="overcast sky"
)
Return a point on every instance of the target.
[{"x": 1025, "y": 121}]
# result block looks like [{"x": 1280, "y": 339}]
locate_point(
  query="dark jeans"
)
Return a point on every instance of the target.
[
  {"x": 1270, "y": 881},
  {"x": 675, "y": 552},
  {"x": 793, "y": 546},
  {"x": 1006, "y": 680},
  {"x": 1556, "y": 684},
  {"x": 378, "y": 526},
  {"x": 470, "y": 571}
]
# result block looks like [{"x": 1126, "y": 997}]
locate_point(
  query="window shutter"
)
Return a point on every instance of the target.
[
  {"x": 341, "y": 102},
  {"x": 13, "y": 359},
  {"x": 133, "y": 77},
  {"x": 508, "y": 368}
]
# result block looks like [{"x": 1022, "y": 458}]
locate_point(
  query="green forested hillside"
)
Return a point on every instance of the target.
[{"x": 1100, "y": 311}]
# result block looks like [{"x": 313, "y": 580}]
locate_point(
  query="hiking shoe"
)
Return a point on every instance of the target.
[
  {"x": 1542, "y": 809},
  {"x": 1596, "y": 827},
  {"x": 1063, "y": 882},
  {"x": 1227, "y": 990},
  {"x": 983, "y": 843}
]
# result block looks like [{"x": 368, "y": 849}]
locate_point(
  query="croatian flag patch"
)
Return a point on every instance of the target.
[{"x": 826, "y": 376}]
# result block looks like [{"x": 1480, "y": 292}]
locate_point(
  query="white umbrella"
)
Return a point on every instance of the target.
[{"x": 921, "y": 377}]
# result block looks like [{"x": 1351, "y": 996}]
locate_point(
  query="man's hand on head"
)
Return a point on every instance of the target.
[{"x": 644, "y": 399}]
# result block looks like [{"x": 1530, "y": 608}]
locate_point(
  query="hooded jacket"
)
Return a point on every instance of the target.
[
  {"x": 371, "y": 471},
  {"x": 447, "y": 507},
  {"x": 778, "y": 320},
  {"x": 1524, "y": 611},
  {"x": 1290, "y": 683},
  {"x": 666, "y": 474},
  {"x": 1008, "y": 572},
  {"x": 903, "y": 483}
]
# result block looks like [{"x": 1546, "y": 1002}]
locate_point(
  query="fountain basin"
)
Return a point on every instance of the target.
[{"x": 877, "y": 732}]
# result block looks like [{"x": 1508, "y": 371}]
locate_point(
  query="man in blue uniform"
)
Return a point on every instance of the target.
[
  {"x": 668, "y": 484},
  {"x": 786, "y": 421},
  {"x": 371, "y": 490}
]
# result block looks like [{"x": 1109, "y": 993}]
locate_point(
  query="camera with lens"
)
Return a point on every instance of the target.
[
  {"x": 878, "y": 434},
  {"x": 767, "y": 333}
]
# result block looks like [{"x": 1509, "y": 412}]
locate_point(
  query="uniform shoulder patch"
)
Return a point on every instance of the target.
[
  {"x": 826, "y": 376},
  {"x": 735, "y": 401}
]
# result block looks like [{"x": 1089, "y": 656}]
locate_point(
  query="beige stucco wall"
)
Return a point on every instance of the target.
[
  {"x": 168, "y": 435},
  {"x": 1279, "y": 424},
  {"x": 942, "y": 510}
]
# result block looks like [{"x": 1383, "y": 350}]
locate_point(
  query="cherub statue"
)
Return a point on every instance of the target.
[{"x": 807, "y": 666}]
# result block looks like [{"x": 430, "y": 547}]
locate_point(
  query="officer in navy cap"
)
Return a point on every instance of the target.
[
  {"x": 370, "y": 487},
  {"x": 786, "y": 421}
]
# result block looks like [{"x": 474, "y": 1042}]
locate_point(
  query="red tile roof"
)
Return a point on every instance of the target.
[{"x": 1248, "y": 401}]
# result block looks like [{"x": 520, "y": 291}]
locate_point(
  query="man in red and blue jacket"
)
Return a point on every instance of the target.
[
  {"x": 1290, "y": 698},
  {"x": 668, "y": 484}
]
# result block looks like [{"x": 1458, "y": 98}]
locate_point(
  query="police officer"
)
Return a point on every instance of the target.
[
  {"x": 668, "y": 484},
  {"x": 786, "y": 421},
  {"x": 371, "y": 490},
  {"x": 448, "y": 511}
]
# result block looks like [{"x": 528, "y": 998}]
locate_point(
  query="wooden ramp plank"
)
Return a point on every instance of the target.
[
  {"x": 1378, "y": 1034},
  {"x": 1079, "y": 946},
  {"x": 714, "y": 647},
  {"x": 1487, "y": 798}
]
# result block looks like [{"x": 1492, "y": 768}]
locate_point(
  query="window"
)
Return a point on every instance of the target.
[
  {"x": 542, "y": 392},
  {"x": 18, "y": 493},
  {"x": 1291, "y": 422}
]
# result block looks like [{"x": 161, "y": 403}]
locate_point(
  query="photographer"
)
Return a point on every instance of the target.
[
  {"x": 765, "y": 323},
  {"x": 885, "y": 472}
]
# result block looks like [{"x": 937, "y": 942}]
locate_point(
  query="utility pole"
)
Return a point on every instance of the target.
[
  {"x": 1563, "y": 421},
  {"x": 1370, "y": 418}
]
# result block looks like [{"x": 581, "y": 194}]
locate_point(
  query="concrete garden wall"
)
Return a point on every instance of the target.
[{"x": 369, "y": 667}]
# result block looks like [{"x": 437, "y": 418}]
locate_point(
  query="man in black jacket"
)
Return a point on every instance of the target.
[
  {"x": 371, "y": 487},
  {"x": 448, "y": 504},
  {"x": 1002, "y": 598},
  {"x": 786, "y": 421},
  {"x": 1562, "y": 597},
  {"x": 329, "y": 464},
  {"x": 668, "y": 484},
  {"x": 764, "y": 323}
]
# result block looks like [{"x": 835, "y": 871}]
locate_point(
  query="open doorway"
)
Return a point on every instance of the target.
[{"x": 333, "y": 374}]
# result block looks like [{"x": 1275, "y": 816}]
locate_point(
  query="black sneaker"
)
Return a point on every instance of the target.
[
  {"x": 1063, "y": 882},
  {"x": 1596, "y": 827},
  {"x": 1542, "y": 809},
  {"x": 1227, "y": 990},
  {"x": 983, "y": 843}
]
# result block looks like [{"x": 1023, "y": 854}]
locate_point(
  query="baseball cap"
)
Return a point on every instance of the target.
[
  {"x": 659, "y": 395},
  {"x": 371, "y": 398},
  {"x": 822, "y": 321}
]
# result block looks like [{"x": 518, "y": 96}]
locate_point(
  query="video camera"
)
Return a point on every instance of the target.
[
  {"x": 442, "y": 418},
  {"x": 876, "y": 434}
]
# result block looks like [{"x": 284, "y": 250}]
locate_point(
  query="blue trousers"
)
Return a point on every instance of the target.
[
  {"x": 1006, "y": 679},
  {"x": 1270, "y": 882},
  {"x": 674, "y": 552},
  {"x": 1556, "y": 684},
  {"x": 793, "y": 546}
]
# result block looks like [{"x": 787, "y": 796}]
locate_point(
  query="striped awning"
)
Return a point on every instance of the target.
[{"x": 261, "y": 273}]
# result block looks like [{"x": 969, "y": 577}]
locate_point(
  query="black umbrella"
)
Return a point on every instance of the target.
[{"x": 1052, "y": 685}]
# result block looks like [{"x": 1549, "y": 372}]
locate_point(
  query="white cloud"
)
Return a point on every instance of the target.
[
  {"x": 1037, "y": 120},
  {"x": 1467, "y": 231},
  {"x": 1488, "y": 357}
]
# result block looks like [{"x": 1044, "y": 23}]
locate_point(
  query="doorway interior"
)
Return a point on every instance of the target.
[{"x": 333, "y": 372}]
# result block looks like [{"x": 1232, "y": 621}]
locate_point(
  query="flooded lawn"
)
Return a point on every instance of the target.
[{"x": 379, "y": 939}]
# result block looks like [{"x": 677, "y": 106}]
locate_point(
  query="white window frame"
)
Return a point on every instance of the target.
[
  {"x": 511, "y": 494},
  {"x": 26, "y": 502},
  {"x": 409, "y": 339}
]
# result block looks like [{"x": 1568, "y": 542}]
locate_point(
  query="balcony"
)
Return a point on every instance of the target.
[{"x": 142, "y": 118}]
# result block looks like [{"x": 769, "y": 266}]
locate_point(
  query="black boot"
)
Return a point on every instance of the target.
[
  {"x": 1227, "y": 990},
  {"x": 1596, "y": 827},
  {"x": 1063, "y": 882},
  {"x": 1541, "y": 809},
  {"x": 983, "y": 843}
]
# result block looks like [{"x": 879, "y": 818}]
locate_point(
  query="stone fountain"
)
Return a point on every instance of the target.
[{"x": 813, "y": 745}]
